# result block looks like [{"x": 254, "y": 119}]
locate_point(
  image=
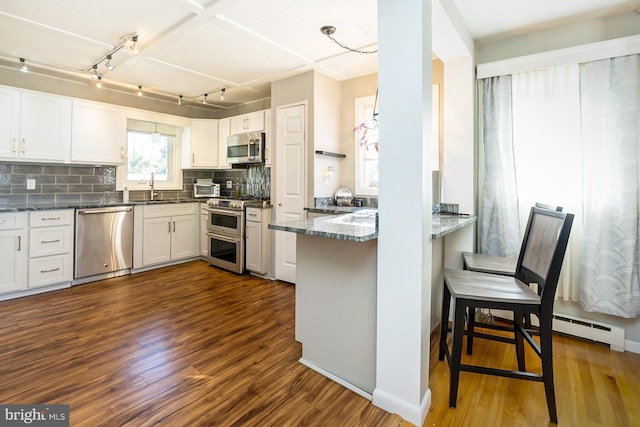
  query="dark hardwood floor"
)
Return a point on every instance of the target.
[{"x": 188, "y": 345}]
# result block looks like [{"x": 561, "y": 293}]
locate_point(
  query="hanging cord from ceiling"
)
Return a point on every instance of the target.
[{"x": 328, "y": 30}]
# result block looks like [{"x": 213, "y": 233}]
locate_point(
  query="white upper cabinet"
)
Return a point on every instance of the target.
[
  {"x": 9, "y": 122},
  {"x": 200, "y": 145},
  {"x": 35, "y": 126},
  {"x": 267, "y": 131},
  {"x": 224, "y": 130},
  {"x": 251, "y": 122},
  {"x": 99, "y": 133}
]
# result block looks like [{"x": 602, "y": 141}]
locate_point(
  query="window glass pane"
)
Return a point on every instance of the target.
[{"x": 147, "y": 153}]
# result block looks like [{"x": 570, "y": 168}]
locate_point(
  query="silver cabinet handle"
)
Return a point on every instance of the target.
[
  {"x": 19, "y": 243},
  {"x": 51, "y": 218},
  {"x": 3, "y": 221},
  {"x": 24, "y": 144},
  {"x": 51, "y": 270},
  {"x": 15, "y": 145},
  {"x": 174, "y": 226},
  {"x": 169, "y": 224},
  {"x": 105, "y": 210},
  {"x": 122, "y": 153},
  {"x": 193, "y": 158},
  {"x": 50, "y": 241}
]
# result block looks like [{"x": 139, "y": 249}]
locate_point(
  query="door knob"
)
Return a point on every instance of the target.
[{"x": 280, "y": 204}]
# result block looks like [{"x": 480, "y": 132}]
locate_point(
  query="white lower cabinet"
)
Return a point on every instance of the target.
[
  {"x": 50, "y": 247},
  {"x": 170, "y": 233},
  {"x": 14, "y": 252},
  {"x": 257, "y": 240}
]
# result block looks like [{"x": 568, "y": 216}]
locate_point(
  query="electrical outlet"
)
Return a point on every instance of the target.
[
  {"x": 31, "y": 184},
  {"x": 229, "y": 184}
]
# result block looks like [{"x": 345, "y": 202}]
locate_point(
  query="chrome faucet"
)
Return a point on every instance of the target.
[{"x": 152, "y": 184}]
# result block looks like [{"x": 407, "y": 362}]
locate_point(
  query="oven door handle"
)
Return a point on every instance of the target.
[
  {"x": 224, "y": 238},
  {"x": 226, "y": 212}
]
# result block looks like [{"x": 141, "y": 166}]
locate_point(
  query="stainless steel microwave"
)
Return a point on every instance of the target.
[
  {"x": 205, "y": 188},
  {"x": 246, "y": 148}
]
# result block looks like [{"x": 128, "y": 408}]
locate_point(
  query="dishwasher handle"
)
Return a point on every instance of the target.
[{"x": 105, "y": 210}]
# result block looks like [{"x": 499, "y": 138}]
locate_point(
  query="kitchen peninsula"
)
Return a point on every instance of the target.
[{"x": 336, "y": 291}]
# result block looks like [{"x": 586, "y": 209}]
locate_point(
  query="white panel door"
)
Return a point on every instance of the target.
[
  {"x": 290, "y": 185},
  {"x": 99, "y": 133},
  {"x": 184, "y": 239},
  {"x": 45, "y": 127},
  {"x": 9, "y": 122}
]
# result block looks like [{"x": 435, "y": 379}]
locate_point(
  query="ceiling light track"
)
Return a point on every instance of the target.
[
  {"x": 131, "y": 38},
  {"x": 328, "y": 31}
]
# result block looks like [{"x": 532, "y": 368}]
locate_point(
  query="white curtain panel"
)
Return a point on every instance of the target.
[
  {"x": 499, "y": 231},
  {"x": 609, "y": 102},
  {"x": 547, "y": 151}
]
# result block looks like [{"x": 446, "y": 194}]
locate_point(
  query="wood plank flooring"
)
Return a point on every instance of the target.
[
  {"x": 188, "y": 345},
  {"x": 595, "y": 386}
]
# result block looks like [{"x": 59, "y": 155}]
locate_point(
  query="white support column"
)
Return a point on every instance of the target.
[{"x": 404, "y": 245}]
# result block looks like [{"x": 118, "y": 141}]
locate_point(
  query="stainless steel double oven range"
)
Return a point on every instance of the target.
[{"x": 225, "y": 232}]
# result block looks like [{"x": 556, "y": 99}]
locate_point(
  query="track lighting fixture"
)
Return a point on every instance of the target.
[
  {"x": 134, "y": 45},
  {"x": 99, "y": 83},
  {"x": 222, "y": 94},
  {"x": 180, "y": 100},
  {"x": 139, "y": 90},
  {"x": 94, "y": 72},
  {"x": 24, "y": 67},
  {"x": 108, "y": 63},
  {"x": 204, "y": 99}
]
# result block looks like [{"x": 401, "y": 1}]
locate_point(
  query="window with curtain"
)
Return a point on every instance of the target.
[{"x": 568, "y": 136}]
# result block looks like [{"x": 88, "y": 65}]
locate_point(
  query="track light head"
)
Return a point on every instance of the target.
[
  {"x": 180, "y": 100},
  {"x": 222, "y": 94},
  {"x": 99, "y": 83},
  {"x": 139, "y": 90},
  {"x": 94, "y": 72},
  {"x": 134, "y": 45},
  {"x": 108, "y": 64},
  {"x": 24, "y": 67},
  {"x": 204, "y": 99}
]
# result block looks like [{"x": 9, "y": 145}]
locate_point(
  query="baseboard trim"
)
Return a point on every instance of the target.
[
  {"x": 632, "y": 346},
  {"x": 340, "y": 381},
  {"x": 412, "y": 413}
]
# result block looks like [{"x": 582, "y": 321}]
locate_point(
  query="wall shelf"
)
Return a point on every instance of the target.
[{"x": 331, "y": 154}]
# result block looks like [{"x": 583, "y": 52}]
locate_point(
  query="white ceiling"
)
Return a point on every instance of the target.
[{"x": 193, "y": 47}]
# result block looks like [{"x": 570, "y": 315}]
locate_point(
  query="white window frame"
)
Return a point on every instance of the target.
[
  {"x": 363, "y": 113},
  {"x": 174, "y": 167}
]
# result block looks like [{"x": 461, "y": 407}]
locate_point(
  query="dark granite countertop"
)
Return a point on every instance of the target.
[{"x": 87, "y": 205}]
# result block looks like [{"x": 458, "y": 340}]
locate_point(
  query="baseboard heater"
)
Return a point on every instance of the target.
[
  {"x": 581, "y": 328},
  {"x": 595, "y": 331}
]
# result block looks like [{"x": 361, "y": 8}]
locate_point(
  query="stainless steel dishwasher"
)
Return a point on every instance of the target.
[{"x": 104, "y": 241}]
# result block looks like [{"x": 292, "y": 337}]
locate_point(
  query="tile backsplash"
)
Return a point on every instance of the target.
[{"x": 88, "y": 184}]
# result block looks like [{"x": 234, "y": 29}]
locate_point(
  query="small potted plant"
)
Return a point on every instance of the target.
[{"x": 368, "y": 135}]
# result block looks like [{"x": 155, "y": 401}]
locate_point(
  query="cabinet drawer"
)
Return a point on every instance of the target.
[
  {"x": 11, "y": 221},
  {"x": 254, "y": 214},
  {"x": 49, "y": 218},
  {"x": 50, "y": 241},
  {"x": 50, "y": 270}
]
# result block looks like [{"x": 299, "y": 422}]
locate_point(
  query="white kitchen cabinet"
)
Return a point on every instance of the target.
[
  {"x": 14, "y": 250},
  {"x": 250, "y": 122},
  {"x": 35, "y": 126},
  {"x": 200, "y": 145},
  {"x": 267, "y": 143},
  {"x": 170, "y": 233},
  {"x": 257, "y": 240},
  {"x": 204, "y": 241},
  {"x": 50, "y": 247},
  {"x": 224, "y": 131},
  {"x": 99, "y": 134}
]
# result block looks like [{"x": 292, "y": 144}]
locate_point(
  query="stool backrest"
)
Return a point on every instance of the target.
[{"x": 542, "y": 252}]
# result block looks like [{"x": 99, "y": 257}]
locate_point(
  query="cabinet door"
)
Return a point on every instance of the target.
[
  {"x": 255, "y": 121},
  {"x": 45, "y": 127},
  {"x": 99, "y": 134},
  {"x": 253, "y": 250},
  {"x": 184, "y": 240},
  {"x": 204, "y": 244},
  {"x": 13, "y": 260},
  {"x": 224, "y": 131},
  {"x": 204, "y": 144},
  {"x": 156, "y": 240},
  {"x": 267, "y": 132},
  {"x": 238, "y": 124},
  {"x": 9, "y": 122}
]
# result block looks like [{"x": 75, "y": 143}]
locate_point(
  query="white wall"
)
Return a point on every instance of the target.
[{"x": 327, "y": 135}]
